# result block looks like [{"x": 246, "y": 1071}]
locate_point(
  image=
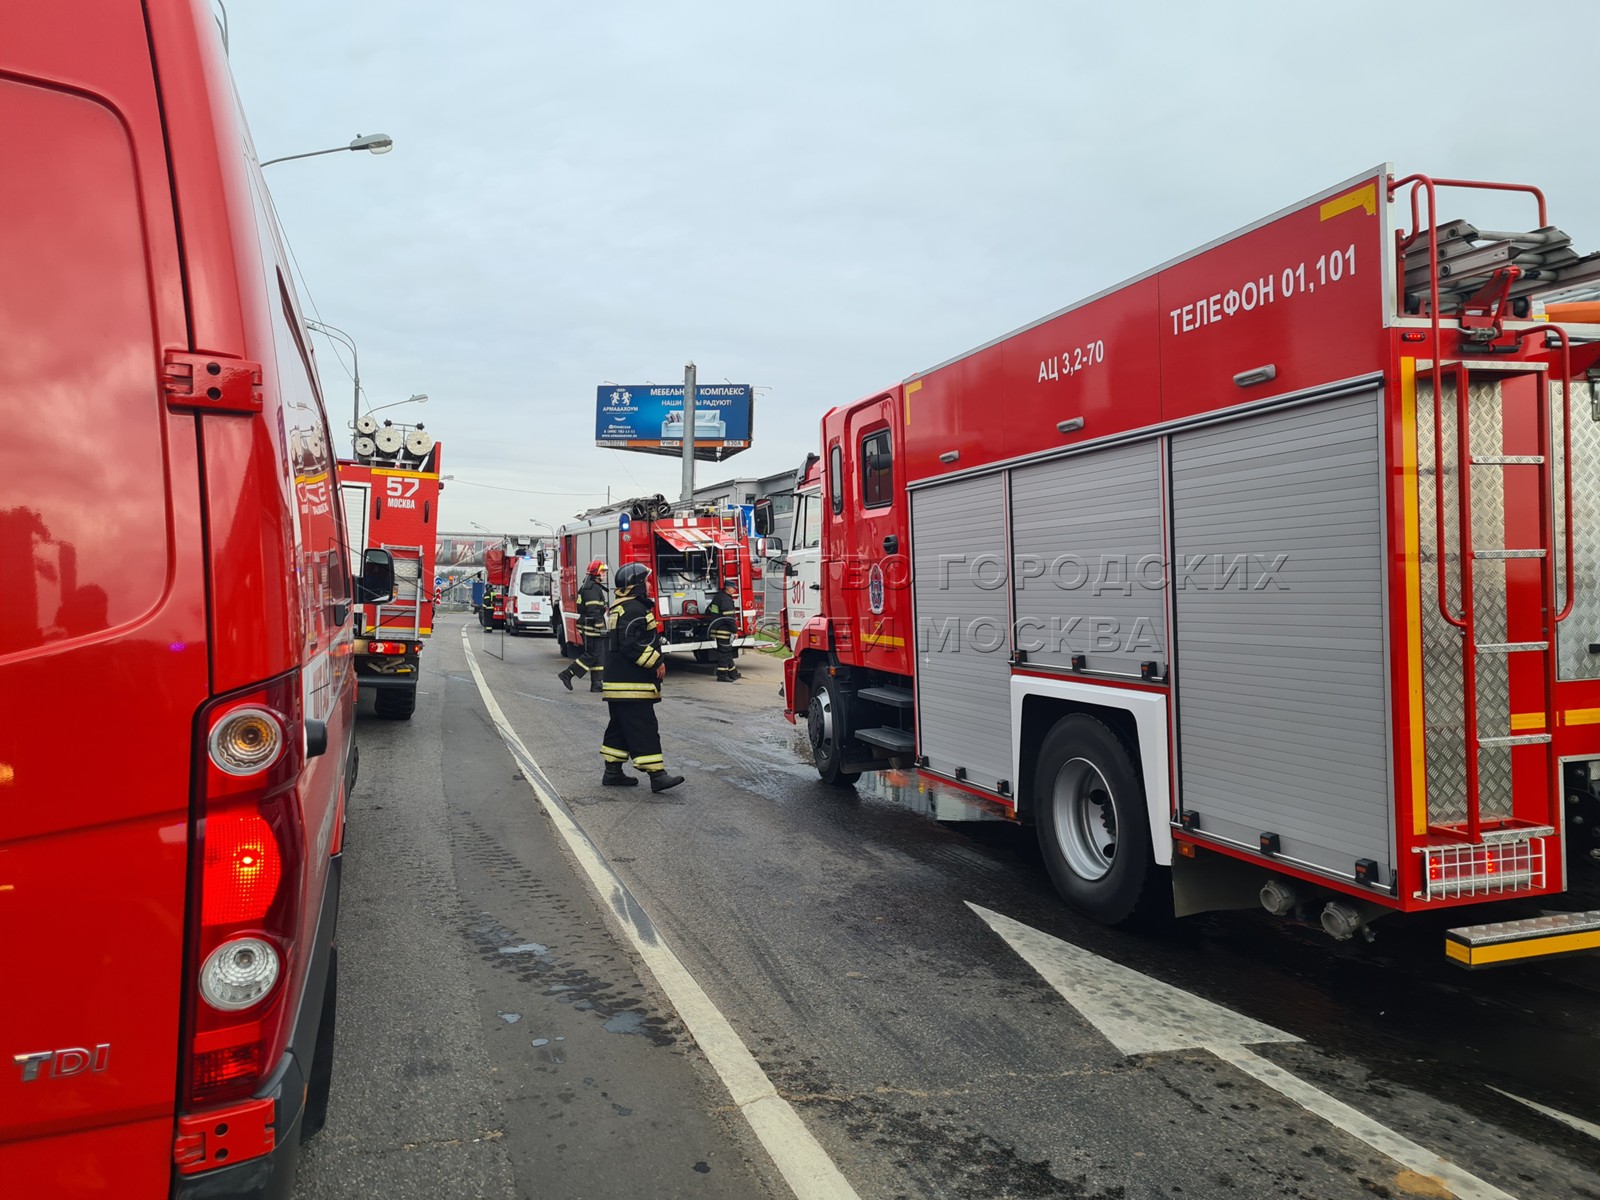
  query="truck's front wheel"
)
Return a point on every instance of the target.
[
  {"x": 827, "y": 729},
  {"x": 1094, "y": 830}
]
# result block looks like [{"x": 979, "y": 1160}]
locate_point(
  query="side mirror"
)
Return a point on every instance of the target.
[
  {"x": 772, "y": 547},
  {"x": 376, "y": 583},
  {"x": 763, "y": 517}
]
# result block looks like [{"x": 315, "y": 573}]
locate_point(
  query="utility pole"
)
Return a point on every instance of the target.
[{"x": 688, "y": 438}]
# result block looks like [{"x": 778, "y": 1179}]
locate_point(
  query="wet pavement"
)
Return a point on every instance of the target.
[{"x": 497, "y": 1039}]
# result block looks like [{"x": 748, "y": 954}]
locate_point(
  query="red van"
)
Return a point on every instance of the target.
[{"x": 176, "y": 696}]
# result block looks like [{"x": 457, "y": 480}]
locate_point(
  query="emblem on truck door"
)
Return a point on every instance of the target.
[{"x": 73, "y": 1060}]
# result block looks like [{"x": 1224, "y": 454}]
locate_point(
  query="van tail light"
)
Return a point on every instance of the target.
[{"x": 248, "y": 867}]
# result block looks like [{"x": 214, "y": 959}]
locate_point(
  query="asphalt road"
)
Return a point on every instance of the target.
[{"x": 498, "y": 1035}]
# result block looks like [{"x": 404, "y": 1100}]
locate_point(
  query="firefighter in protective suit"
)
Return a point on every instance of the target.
[
  {"x": 592, "y": 628},
  {"x": 724, "y": 610},
  {"x": 632, "y": 688}
]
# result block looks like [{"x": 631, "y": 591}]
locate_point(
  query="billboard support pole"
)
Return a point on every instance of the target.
[{"x": 688, "y": 439}]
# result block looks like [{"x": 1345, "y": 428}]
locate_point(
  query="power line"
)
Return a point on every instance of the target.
[
  {"x": 520, "y": 491},
  {"x": 305, "y": 287}
]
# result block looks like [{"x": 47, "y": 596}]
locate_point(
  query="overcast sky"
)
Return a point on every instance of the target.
[{"x": 822, "y": 198}]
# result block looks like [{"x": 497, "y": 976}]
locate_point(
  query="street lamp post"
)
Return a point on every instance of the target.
[
  {"x": 377, "y": 143},
  {"x": 355, "y": 363}
]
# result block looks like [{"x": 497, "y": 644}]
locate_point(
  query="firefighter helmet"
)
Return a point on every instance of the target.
[
  {"x": 633, "y": 575},
  {"x": 597, "y": 567}
]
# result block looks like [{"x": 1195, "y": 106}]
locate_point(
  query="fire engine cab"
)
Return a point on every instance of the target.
[
  {"x": 391, "y": 502},
  {"x": 1260, "y": 576},
  {"x": 688, "y": 556}
]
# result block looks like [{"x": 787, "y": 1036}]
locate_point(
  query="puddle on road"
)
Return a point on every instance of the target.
[
  {"x": 510, "y": 1018},
  {"x": 525, "y": 948},
  {"x": 626, "y": 1022}
]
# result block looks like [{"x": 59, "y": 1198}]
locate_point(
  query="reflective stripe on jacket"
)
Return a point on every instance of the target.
[
  {"x": 592, "y": 607},
  {"x": 633, "y": 650}
]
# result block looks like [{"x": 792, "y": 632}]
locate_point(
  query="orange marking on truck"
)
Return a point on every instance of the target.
[{"x": 1363, "y": 198}]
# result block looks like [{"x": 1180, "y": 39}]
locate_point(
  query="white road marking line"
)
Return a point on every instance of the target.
[
  {"x": 1555, "y": 1114},
  {"x": 804, "y": 1165},
  {"x": 1141, "y": 1015}
]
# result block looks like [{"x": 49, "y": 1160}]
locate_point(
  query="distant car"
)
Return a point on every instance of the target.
[{"x": 532, "y": 600}]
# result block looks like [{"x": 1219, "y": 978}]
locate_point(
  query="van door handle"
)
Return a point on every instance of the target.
[
  {"x": 891, "y": 544},
  {"x": 816, "y": 587},
  {"x": 316, "y": 738}
]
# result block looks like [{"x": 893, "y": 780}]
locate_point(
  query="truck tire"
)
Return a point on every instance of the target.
[
  {"x": 826, "y": 724},
  {"x": 1093, "y": 827},
  {"x": 319, "y": 1086},
  {"x": 395, "y": 704},
  {"x": 703, "y": 656}
]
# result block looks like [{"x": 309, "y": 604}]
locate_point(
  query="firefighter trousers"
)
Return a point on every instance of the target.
[
  {"x": 633, "y": 733},
  {"x": 726, "y": 654},
  {"x": 591, "y": 659}
]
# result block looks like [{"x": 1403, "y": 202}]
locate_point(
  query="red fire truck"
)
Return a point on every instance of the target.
[
  {"x": 1261, "y": 575},
  {"x": 687, "y": 555},
  {"x": 391, "y": 502}
]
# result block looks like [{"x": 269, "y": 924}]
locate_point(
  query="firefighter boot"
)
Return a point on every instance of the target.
[
  {"x": 565, "y": 675},
  {"x": 660, "y": 780},
  {"x": 594, "y": 683},
  {"x": 616, "y": 777}
]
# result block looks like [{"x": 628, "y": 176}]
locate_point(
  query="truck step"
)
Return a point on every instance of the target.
[
  {"x": 895, "y": 741},
  {"x": 1550, "y": 936},
  {"x": 891, "y": 697}
]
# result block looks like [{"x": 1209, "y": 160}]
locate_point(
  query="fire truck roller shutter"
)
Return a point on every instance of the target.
[
  {"x": 1090, "y": 573},
  {"x": 961, "y": 579},
  {"x": 1283, "y": 708}
]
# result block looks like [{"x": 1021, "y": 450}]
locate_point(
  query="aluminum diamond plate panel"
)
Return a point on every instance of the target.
[
  {"x": 1441, "y": 641},
  {"x": 1582, "y": 625}
]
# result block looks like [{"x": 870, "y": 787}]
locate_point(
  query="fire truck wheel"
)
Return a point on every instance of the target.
[
  {"x": 320, "y": 1085},
  {"x": 1089, "y": 809},
  {"x": 825, "y": 729},
  {"x": 702, "y": 656},
  {"x": 395, "y": 704}
]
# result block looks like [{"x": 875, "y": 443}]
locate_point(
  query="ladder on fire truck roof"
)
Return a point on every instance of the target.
[
  {"x": 406, "y": 607},
  {"x": 1481, "y": 279}
]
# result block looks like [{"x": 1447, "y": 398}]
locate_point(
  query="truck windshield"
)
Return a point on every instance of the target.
[{"x": 535, "y": 583}]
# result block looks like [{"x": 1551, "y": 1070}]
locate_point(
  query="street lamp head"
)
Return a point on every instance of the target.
[
  {"x": 418, "y": 398},
  {"x": 378, "y": 143}
]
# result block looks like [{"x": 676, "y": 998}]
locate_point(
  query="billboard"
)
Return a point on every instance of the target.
[{"x": 649, "y": 417}]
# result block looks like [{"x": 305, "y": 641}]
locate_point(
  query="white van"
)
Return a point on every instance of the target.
[{"x": 531, "y": 599}]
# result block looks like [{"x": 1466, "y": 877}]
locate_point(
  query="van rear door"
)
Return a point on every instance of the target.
[{"x": 103, "y": 647}]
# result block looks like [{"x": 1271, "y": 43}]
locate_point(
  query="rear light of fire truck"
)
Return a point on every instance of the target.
[
  {"x": 248, "y": 862},
  {"x": 391, "y": 647}
]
